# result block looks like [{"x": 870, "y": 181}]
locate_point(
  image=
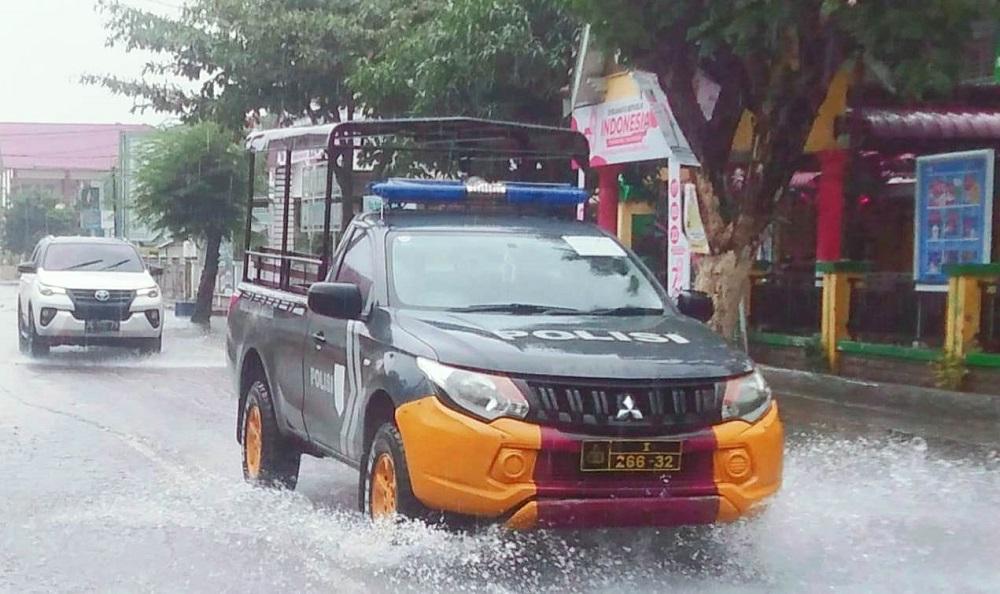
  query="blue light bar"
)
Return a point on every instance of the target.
[{"x": 421, "y": 190}]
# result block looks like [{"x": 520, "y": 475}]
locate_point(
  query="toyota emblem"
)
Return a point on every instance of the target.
[{"x": 102, "y": 295}]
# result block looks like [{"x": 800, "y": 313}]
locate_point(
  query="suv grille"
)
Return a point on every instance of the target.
[
  {"x": 86, "y": 305},
  {"x": 625, "y": 408}
]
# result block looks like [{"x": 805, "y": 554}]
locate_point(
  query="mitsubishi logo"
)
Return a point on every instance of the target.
[
  {"x": 102, "y": 295},
  {"x": 627, "y": 410}
]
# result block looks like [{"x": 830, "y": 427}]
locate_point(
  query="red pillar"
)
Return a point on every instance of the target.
[
  {"x": 830, "y": 205},
  {"x": 607, "y": 198}
]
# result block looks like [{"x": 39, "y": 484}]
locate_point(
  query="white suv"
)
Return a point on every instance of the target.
[{"x": 87, "y": 291}]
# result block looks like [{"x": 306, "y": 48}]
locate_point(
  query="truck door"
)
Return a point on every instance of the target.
[{"x": 332, "y": 362}]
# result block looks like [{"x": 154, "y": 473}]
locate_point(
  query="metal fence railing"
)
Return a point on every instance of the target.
[
  {"x": 886, "y": 308},
  {"x": 786, "y": 303},
  {"x": 291, "y": 271}
]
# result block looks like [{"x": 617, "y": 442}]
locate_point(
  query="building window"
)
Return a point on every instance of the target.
[{"x": 981, "y": 53}]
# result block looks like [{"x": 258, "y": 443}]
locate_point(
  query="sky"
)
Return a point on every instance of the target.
[{"x": 46, "y": 45}]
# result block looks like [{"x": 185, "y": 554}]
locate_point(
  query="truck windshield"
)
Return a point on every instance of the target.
[
  {"x": 518, "y": 273},
  {"x": 92, "y": 257}
]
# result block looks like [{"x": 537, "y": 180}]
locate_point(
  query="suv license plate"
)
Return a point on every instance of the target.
[
  {"x": 631, "y": 456},
  {"x": 101, "y": 326}
]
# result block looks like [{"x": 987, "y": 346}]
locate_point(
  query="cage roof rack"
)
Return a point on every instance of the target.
[{"x": 468, "y": 136}]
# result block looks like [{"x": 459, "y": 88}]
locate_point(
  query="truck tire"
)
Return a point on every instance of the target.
[
  {"x": 268, "y": 458},
  {"x": 385, "y": 492},
  {"x": 37, "y": 347}
]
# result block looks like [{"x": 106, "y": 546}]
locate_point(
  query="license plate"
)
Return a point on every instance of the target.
[
  {"x": 101, "y": 326},
  {"x": 631, "y": 456}
]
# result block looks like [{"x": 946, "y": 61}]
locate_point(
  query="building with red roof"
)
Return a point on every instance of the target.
[{"x": 60, "y": 158}]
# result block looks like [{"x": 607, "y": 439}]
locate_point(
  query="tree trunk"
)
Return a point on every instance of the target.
[
  {"x": 726, "y": 277},
  {"x": 206, "y": 286}
]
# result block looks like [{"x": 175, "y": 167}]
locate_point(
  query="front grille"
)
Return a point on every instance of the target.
[
  {"x": 86, "y": 305},
  {"x": 604, "y": 407}
]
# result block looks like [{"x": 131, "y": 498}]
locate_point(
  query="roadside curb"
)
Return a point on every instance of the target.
[{"x": 924, "y": 402}]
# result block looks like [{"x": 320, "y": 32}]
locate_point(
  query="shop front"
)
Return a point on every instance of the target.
[{"x": 910, "y": 238}]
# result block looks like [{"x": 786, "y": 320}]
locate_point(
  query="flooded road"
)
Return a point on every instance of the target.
[{"x": 122, "y": 474}]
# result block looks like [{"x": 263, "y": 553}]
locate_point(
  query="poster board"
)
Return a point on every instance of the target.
[
  {"x": 678, "y": 249},
  {"x": 694, "y": 230},
  {"x": 953, "y": 214}
]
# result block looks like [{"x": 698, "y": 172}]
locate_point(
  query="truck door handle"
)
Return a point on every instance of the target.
[{"x": 319, "y": 337}]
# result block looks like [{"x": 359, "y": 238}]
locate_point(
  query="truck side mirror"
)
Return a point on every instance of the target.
[
  {"x": 155, "y": 270},
  {"x": 696, "y": 304},
  {"x": 27, "y": 268},
  {"x": 336, "y": 300}
]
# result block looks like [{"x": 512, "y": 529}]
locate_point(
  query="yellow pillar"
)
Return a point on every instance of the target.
[
  {"x": 836, "y": 310},
  {"x": 964, "y": 304}
]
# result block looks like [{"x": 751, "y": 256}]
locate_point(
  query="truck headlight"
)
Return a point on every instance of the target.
[
  {"x": 152, "y": 292},
  {"x": 49, "y": 290},
  {"x": 746, "y": 398},
  {"x": 486, "y": 396}
]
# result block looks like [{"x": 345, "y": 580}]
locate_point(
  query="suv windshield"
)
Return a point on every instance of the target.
[
  {"x": 518, "y": 273},
  {"x": 92, "y": 257}
]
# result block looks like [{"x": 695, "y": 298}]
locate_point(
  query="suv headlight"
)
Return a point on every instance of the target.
[
  {"x": 486, "y": 396},
  {"x": 49, "y": 290},
  {"x": 151, "y": 292},
  {"x": 746, "y": 398}
]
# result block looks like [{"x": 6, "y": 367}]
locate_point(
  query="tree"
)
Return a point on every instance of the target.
[
  {"x": 227, "y": 60},
  {"x": 191, "y": 181},
  {"x": 774, "y": 60},
  {"x": 32, "y": 215},
  {"x": 499, "y": 59}
]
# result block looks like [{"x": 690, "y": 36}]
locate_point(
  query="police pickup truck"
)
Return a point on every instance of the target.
[{"x": 514, "y": 368}]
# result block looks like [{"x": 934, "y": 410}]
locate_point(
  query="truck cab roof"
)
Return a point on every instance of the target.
[{"x": 462, "y": 221}]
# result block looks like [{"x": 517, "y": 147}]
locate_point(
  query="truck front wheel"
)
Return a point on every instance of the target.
[
  {"x": 268, "y": 458},
  {"x": 385, "y": 490}
]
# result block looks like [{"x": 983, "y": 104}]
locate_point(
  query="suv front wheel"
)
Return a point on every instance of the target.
[
  {"x": 29, "y": 341},
  {"x": 22, "y": 333},
  {"x": 151, "y": 346}
]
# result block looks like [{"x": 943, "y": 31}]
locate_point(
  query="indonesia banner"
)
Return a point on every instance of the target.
[{"x": 639, "y": 128}]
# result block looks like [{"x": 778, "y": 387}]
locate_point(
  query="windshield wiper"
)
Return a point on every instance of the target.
[
  {"x": 626, "y": 310},
  {"x": 515, "y": 308},
  {"x": 82, "y": 264},
  {"x": 117, "y": 264}
]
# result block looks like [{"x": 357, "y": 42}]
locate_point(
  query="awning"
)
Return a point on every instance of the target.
[{"x": 938, "y": 126}]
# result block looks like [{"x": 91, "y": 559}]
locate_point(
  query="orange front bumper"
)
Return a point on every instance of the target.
[{"x": 527, "y": 475}]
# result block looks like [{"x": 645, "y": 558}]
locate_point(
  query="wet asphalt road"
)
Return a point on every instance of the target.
[{"x": 121, "y": 474}]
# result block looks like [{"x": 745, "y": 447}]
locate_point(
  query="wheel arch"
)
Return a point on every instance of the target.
[
  {"x": 251, "y": 368},
  {"x": 379, "y": 409}
]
